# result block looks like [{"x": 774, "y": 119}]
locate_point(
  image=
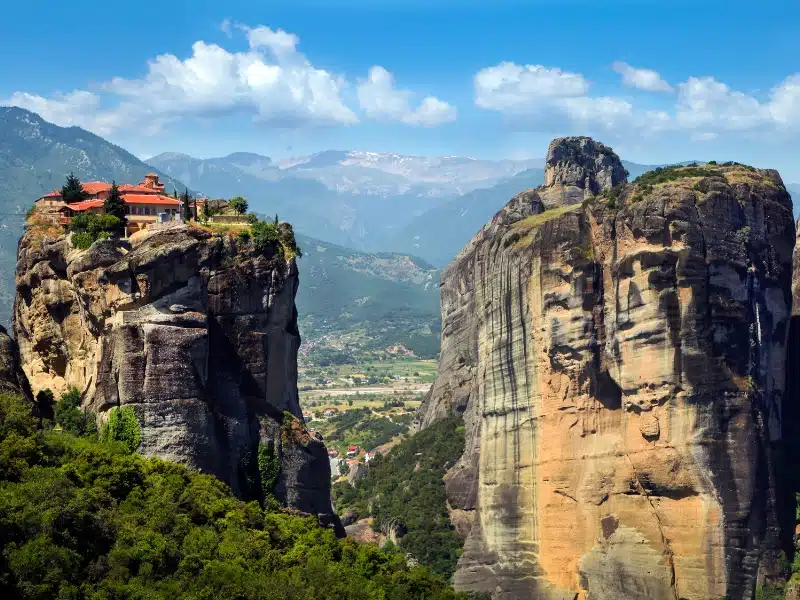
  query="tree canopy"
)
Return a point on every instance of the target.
[
  {"x": 84, "y": 519},
  {"x": 115, "y": 206},
  {"x": 72, "y": 190},
  {"x": 238, "y": 205}
]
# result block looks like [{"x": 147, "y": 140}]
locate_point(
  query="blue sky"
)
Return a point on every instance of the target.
[{"x": 658, "y": 81}]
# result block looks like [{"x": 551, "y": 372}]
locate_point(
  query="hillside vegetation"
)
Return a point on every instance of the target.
[
  {"x": 351, "y": 300},
  {"x": 406, "y": 487},
  {"x": 81, "y": 519}
]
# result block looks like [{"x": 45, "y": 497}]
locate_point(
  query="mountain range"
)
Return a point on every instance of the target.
[
  {"x": 356, "y": 199},
  {"x": 363, "y": 204}
]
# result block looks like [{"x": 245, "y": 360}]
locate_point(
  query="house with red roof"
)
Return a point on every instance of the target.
[
  {"x": 353, "y": 450},
  {"x": 144, "y": 202}
]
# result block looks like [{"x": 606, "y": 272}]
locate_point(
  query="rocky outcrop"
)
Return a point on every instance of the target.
[
  {"x": 196, "y": 332},
  {"x": 12, "y": 377},
  {"x": 621, "y": 375}
]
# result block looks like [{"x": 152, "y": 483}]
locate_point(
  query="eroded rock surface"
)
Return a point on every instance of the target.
[
  {"x": 621, "y": 375},
  {"x": 198, "y": 333},
  {"x": 12, "y": 377}
]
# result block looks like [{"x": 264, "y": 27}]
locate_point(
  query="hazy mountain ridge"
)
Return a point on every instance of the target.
[{"x": 376, "y": 299}]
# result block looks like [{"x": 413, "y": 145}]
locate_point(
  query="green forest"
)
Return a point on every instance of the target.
[
  {"x": 82, "y": 518},
  {"x": 406, "y": 486}
]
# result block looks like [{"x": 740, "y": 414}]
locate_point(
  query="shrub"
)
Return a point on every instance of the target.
[
  {"x": 407, "y": 486},
  {"x": 123, "y": 426},
  {"x": 269, "y": 468},
  {"x": 82, "y": 241},
  {"x": 72, "y": 419},
  {"x": 244, "y": 236},
  {"x": 87, "y": 228}
]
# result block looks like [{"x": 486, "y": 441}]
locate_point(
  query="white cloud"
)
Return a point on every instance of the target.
[
  {"x": 704, "y": 136},
  {"x": 546, "y": 96},
  {"x": 550, "y": 99},
  {"x": 380, "y": 100},
  {"x": 785, "y": 101},
  {"x": 643, "y": 79},
  {"x": 271, "y": 80},
  {"x": 515, "y": 88},
  {"x": 78, "y": 108},
  {"x": 705, "y": 103}
]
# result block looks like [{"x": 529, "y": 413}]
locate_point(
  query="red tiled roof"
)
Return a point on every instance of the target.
[
  {"x": 151, "y": 175},
  {"x": 127, "y": 188},
  {"x": 85, "y": 205},
  {"x": 53, "y": 194},
  {"x": 95, "y": 187},
  {"x": 149, "y": 199}
]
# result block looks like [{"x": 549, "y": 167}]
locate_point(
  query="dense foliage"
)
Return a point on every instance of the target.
[
  {"x": 123, "y": 427},
  {"x": 238, "y": 205},
  {"x": 84, "y": 519},
  {"x": 115, "y": 206},
  {"x": 72, "y": 190},
  {"x": 69, "y": 415},
  {"x": 87, "y": 228},
  {"x": 277, "y": 235},
  {"x": 361, "y": 427},
  {"x": 406, "y": 486}
]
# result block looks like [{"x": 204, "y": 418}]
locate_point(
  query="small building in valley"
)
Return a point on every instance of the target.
[{"x": 353, "y": 450}]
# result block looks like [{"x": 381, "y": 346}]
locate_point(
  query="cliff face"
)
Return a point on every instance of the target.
[
  {"x": 198, "y": 333},
  {"x": 621, "y": 374}
]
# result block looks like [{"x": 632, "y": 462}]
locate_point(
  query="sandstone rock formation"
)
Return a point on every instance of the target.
[
  {"x": 196, "y": 332},
  {"x": 12, "y": 377},
  {"x": 621, "y": 374}
]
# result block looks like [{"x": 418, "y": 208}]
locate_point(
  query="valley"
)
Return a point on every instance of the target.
[{"x": 316, "y": 376}]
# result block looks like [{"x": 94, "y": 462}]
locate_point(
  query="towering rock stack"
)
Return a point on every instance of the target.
[
  {"x": 197, "y": 333},
  {"x": 618, "y": 353}
]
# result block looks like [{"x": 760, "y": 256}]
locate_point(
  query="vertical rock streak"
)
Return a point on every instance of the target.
[{"x": 624, "y": 393}]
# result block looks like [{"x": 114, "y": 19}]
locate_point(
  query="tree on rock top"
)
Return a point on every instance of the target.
[
  {"x": 72, "y": 190},
  {"x": 115, "y": 206},
  {"x": 187, "y": 209},
  {"x": 238, "y": 205}
]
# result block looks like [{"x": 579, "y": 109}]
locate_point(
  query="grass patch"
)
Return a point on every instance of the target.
[{"x": 545, "y": 217}]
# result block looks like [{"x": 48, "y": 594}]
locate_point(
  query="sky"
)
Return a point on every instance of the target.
[{"x": 658, "y": 81}]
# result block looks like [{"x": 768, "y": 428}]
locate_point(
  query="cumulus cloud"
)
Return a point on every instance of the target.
[
  {"x": 380, "y": 100},
  {"x": 516, "y": 88},
  {"x": 643, "y": 79},
  {"x": 546, "y": 95},
  {"x": 272, "y": 81}
]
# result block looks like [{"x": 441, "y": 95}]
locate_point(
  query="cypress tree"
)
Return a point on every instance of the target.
[
  {"x": 72, "y": 190},
  {"x": 114, "y": 205},
  {"x": 187, "y": 210}
]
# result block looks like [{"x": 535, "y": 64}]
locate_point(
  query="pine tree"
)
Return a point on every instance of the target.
[
  {"x": 115, "y": 205},
  {"x": 175, "y": 193},
  {"x": 276, "y": 219},
  {"x": 187, "y": 209},
  {"x": 72, "y": 190}
]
